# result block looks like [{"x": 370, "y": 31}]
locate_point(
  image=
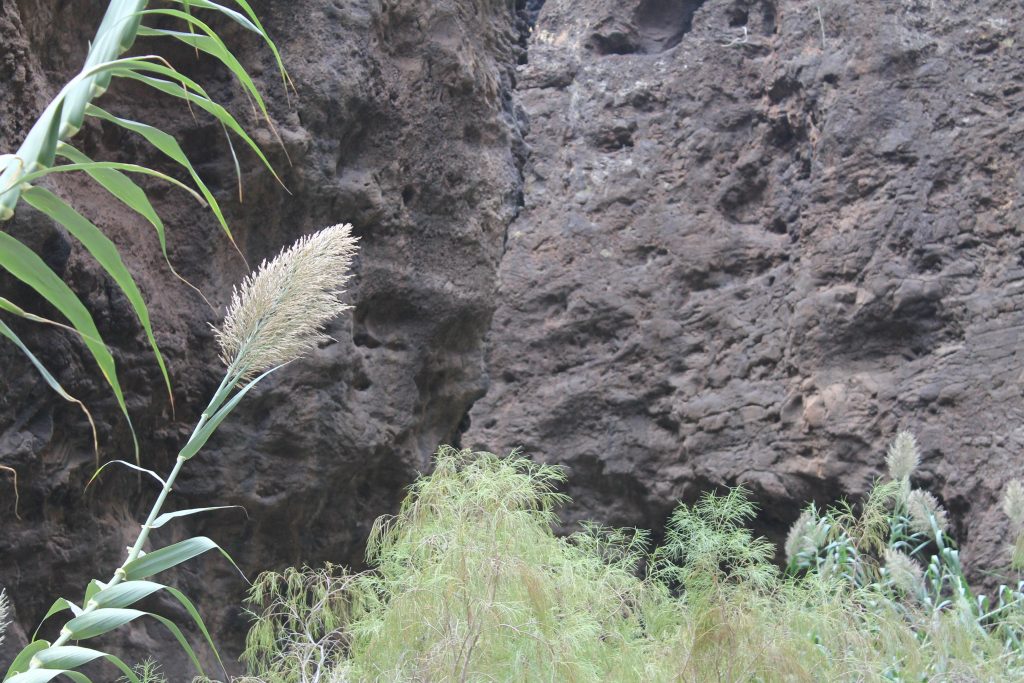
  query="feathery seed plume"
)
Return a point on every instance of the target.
[
  {"x": 903, "y": 456},
  {"x": 1013, "y": 503},
  {"x": 923, "y": 507},
  {"x": 278, "y": 312},
  {"x": 905, "y": 573},
  {"x": 805, "y": 536}
]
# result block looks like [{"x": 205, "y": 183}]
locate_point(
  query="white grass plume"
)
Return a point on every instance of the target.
[
  {"x": 906, "y": 574},
  {"x": 278, "y": 312},
  {"x": 923, "y": 508},
  {"x": 903, "y": 456},
  {"x": 804, "y": 536}
]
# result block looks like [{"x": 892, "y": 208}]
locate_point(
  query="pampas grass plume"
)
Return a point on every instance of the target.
[
  {"x": 903, "y": 456},
  {"x": 278, "y": 312},
  {"x": 923, "y": 507},
  {"x": 904, "y": 572}
]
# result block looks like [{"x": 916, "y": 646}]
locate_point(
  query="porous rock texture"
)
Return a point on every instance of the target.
[
  {"x": 758, "y": 239},
  {"x": 745, "y": 242}
]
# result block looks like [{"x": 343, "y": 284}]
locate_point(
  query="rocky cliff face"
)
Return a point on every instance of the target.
[
  {"x": 745, "y": 241},
  {"x": 758, "y": 239}
]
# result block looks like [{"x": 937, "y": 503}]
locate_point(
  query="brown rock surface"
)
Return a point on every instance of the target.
[{"x": 756, "y": 238}]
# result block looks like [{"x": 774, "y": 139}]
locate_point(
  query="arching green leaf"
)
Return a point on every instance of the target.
[
  {"x": 125, "y": 593},
  {"x": 171, "y": 556},
  {"x": 170, "y": 147},
  {"x": 251, "y": 22},
  {"x": 25, "y": 265},
  {"x": 101, "y": 621},
  {"x": 47, "y": 377},
  {"x": 211, "y": 44},
  {"x": 106, "y": 254},
  {"x": 44, "y": 675},
  {"x": 21, "y": 662},
  {"x": 200, "y": 438},
  {"x": 205, "y": 103}
]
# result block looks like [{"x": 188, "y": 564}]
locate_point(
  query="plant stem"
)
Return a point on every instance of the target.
[{"x": 120, "y": 575}]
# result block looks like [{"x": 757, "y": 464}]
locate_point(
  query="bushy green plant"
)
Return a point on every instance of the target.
[{"x": 469, "y": 582}]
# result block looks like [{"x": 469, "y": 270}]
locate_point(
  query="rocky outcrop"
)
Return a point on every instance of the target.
[
  {"x": 758, "y": 238},
  {"x": 744, "y": 243}
]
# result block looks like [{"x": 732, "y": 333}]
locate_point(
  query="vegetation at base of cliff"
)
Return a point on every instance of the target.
[{"x": 470, "y": 583}]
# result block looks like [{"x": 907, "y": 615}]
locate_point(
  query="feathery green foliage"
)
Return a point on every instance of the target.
[
  {"x": 48, "y": 142},
  {"x": 469, "y": 582}
]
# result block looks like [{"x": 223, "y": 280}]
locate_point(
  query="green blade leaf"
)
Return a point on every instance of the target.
[
  {"x": 44, "y": 675},
  {"x": 125, "y": 593},
  {"x": 67, "y": 657},
  {"x": 59, "y": 605},
  {"x": 21, "y": 662},
  {"x": 170, "y": 147},
  {"x": 106, "y": 254},
  {"x": 109, "y": 175},
  {"x": 24, "y": 264},
  {"x": 48, "y": 378},
  {"x": 130, "y": 592},
  {"x": 200, "y": 438},
  {"x": 205, "y": 103},
  {"x": 171, "y": 556},
  {"x": 72, "y": 656},
  {"x": 94, "y": 587},
  {"x": 176, "y": 632},
  {"x": 168, "y": 516},
  {"x": 144, "y": 470},
  {"x": 212, "y": 45},
  {"x": 101, "y": 621},
  {"x": 251, "y": 22},
  {"x": 194, "y": 613}
]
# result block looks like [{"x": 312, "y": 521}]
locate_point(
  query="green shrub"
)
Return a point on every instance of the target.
[{"x": 470, "y": 583}]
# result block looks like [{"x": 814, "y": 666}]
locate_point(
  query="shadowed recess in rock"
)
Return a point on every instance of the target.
[
  {"x": 663, "y": 23},
  {"x": 532, "y": 8}
]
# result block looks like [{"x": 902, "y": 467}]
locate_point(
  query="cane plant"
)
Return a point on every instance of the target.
[
  {"x": 275, "y": 317},
  {"x": 47, "y": 149}
]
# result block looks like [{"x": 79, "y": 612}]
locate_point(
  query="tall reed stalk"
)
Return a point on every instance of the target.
[{"x": 276, "y": 316}]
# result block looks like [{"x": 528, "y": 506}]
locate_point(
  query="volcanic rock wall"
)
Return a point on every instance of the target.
[
  {"x": 745, "y": 241},
  {"x": 758, "y": 239}
]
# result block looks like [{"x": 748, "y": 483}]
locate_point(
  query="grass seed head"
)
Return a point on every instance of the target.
[
  {"x": 923, "y": 507},
  {"x": 903, "y": 456},
  {"x": 905, "y": 573},
  {"x": 804, "y": 536},
  {"x": 279, "y": 311}
]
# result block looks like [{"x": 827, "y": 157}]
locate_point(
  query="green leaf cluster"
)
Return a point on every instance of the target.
[{"x": 47, "y": 150}]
